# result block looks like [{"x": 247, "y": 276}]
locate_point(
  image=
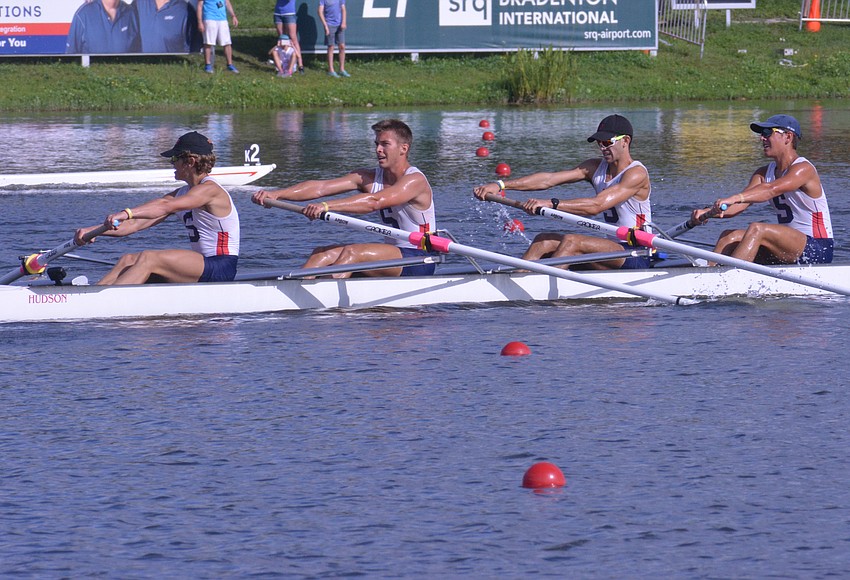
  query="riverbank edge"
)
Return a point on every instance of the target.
[{"x": 763, "y": 59}]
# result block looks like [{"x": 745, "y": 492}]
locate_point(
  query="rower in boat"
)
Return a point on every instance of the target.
[
  {"x": 793, "y": 187},
  {"x": 206, "y": 210},
  {"x": 622, "y": 196},
  {"x": 397, "y": 190}
]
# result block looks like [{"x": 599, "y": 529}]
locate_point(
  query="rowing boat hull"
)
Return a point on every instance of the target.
[
  {"x": 226, "y": 176},
  {"x": 65, "y": 303}
]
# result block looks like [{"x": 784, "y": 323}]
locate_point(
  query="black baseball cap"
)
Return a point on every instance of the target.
[
  {"x": 192, "y": 142},
  {"x": 610, "y": 127}
]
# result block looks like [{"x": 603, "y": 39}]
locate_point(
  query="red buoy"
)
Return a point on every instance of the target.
[
  {"x": 503, "y": 169},
  {"x": 516, "y": 349},
  {"x": 514, "y": 225},
  {"x": 482, "y": 152},
  {"x": 543, "y": 474},
  {"x": 488, "y": 136},
  {"x": 484, "y": 123}
]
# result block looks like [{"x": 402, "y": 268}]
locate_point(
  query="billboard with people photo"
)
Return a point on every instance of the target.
[{"x": 98, "y": 27}]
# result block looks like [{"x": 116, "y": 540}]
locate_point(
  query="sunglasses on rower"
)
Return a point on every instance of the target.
[
  {"x": 608, "y": 143},
  {"x": 768, "y": 132},
  {"x": 181, "y": 157}
]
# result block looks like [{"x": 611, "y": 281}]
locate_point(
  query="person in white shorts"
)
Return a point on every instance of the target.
[{"x": 212, "y": 24}]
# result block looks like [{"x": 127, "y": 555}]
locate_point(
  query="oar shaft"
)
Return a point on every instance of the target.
[
  {"x": 436, "y": 243},
  {"x": 651, "y": 240},
  {"x": 689, "y": 223},
  {"x": 39, "y": 261}
]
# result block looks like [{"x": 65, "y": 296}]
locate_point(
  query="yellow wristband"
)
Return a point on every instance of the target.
[
  {"x": 501, "y": 185},
  {"x": 129, "y": 213},
  {"x": 325, "y": 205}
]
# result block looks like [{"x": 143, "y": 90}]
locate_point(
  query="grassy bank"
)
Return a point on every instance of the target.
[{"x": 744, "y": 61}]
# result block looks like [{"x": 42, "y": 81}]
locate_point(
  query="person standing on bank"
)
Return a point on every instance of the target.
[
  {"x": 206, "y": 210},
  {"x": 399, "y": 191},
  {"x": 286, "y": 22},
  {"x": 793, "y": 187},
  {"x": 622, "y": 196},
  {"x": 212, "y": 24},
  {"x": 333, "y": 16}
]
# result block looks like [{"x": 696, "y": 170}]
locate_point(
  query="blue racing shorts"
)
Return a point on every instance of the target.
[
  {"x": 817, "y": 251},
  {"x": 219, "y": 269},
  {"x": 635, "y": 263},
  {"x": 417, "y": 269},
  {"x": 285, "y": 19}
]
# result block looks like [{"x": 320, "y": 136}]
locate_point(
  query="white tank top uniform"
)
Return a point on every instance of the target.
[
  {"x": 405, "y": 216},
  {"x": 807, "y": 215},
  {"x": 632, "y": 213},
  {"x": 210, "y": 235}
]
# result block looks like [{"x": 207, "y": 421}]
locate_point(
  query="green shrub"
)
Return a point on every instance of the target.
[{"x": 540, "y": 76}]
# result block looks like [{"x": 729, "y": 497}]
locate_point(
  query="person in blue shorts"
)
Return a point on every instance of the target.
[
  {"x": 166, "y": 26},
  {"x": 286, "y": 22},
  {"x": 205, "y": 209},
  {"x": 791, "y": 185},
  {"x": 333, "y": 16},
  {"x": 104, "y": 27},
  {"x": 398, "y": 191}
]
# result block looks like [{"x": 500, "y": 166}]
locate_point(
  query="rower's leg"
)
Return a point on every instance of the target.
[
  {"x": 170, "y": 265},
  {"x": 785, "y": 243},
  {"x": 543, "y": 246},
  {"x": 126, "y": 261}
]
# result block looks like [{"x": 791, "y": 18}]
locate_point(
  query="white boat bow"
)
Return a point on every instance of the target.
[{"x": 226, "y": 176}]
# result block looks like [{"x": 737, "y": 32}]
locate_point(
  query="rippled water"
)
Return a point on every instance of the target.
[{"x": 704, "y": 441}]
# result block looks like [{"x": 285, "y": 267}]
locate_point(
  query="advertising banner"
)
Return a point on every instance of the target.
[
  {"x": 498, "y": 25},
  {"x": 45, "y": 27},
  {"x": 76, "y": 27}
]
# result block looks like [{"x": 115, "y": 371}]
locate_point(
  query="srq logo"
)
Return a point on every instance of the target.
[{"x": 466, "y": 12}]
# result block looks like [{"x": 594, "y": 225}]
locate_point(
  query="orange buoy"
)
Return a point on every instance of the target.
[
  {"x": 814, "y": 12},
  {"x": 514, "y": 226},
  {"x": 482, "y": 152},
  {"x": 516, "y": 349},
  {"x": 488, "y": 136},
  {"x": 484, "y": 123},
  {"x": 503, "y": 169},
  {"x": 543, "y": 474}
]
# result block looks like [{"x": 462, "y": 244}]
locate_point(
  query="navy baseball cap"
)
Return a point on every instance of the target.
[
  {"x": 610, "y": 127},
  {"x": 192, "y": 142},
  {"x": 784, "y": 122}
]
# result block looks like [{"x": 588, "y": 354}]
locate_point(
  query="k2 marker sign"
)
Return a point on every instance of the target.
[{"x": 501, "y": 25}]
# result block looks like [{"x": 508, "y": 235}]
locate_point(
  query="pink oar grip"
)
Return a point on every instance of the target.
[{"x": 642, "y": 237}]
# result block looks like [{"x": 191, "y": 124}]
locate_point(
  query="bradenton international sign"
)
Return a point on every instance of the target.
[
  {"x": 496, "y": 25},
  {"x": 39, "y": 27}
]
